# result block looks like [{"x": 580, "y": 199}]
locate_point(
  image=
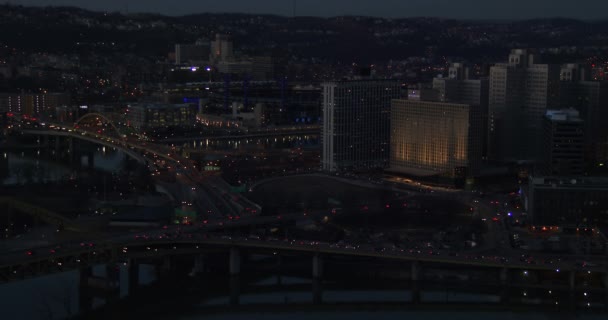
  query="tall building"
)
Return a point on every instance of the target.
[
  {"x": 459, "y": 88},
  {"x": 194, "y": 54},
  {"x": 520, "y": 92},
  {"x": 356, "y": 123},
  {"x": 590, "y": 98},
  {"x": 435, "y": 138},
  {"x": 564, "y": 142},
  {"x": 222, "y": 49}
]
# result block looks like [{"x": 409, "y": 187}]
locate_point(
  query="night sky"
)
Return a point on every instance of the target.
[{"x": 475, "y": 9}]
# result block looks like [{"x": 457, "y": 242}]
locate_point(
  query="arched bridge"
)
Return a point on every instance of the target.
[
  {"x": 98, "y": 117},
  {"x": 120, "y": 144}
]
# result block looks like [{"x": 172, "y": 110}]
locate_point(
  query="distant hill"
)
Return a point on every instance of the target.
[{"x": 336, "y": 39}]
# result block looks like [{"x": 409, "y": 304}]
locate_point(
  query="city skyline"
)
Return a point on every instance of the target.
[
  {"x": 248, "y": 165},
  {"x": 464, "y": 9}
]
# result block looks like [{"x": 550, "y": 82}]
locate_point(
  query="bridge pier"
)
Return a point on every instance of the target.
[
  {"x": 199, "y": 265},
  {"x": 85, "y": 296},
  {"x": 572, "y": 286},
  {"x": 45, "y": 140},
  {"x": 57, "y": 145},
  {"x": 235, "y": 289},
  {"x": 415, "y": 277},
  {"x": 167, "y": 265},
  {"x": 235, "y": 261},
  {"x": 133, "y": 277},
  {"x": 91, "y": 159},
  {"x": 72, "y": 152},
  {"x": 9, "y": 217},
  {"x": 112, "y": 281},
  {"x": 504, "y": 281},
  {"x": 235, "y": 270},
  {"x": 278, "y": 270},
  {"x": 317, "y": 283},
  {"x": 605, "y": 281},
  {"x": 572, "y": 280}
]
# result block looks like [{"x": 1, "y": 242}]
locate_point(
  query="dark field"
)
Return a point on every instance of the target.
[{"x": 359, "y": 206}]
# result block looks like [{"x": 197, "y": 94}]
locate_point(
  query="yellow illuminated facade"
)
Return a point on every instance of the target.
[{"x": 435, "y": 138}]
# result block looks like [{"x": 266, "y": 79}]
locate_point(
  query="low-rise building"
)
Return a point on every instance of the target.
[
  {"x": 566, "y": 201},
  {"x": 150, "y": 115}
]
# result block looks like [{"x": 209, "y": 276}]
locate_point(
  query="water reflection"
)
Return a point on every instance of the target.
[
  {"x": 258, "y": 143},
  {"x": 43, "y": 165}
]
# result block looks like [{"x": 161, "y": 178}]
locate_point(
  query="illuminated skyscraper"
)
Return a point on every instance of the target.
[{"x": 435, "y": 138}]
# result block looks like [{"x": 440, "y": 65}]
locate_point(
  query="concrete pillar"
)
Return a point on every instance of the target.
[
  {"x": 572, "y": 280},
  {"x": 415, "y": 277},
  {"x": 317, "y": 267},
  {"x": 317, "y": 275},
  {"x": 71, "y": 151},
  {"x": 198, "y": 266},
  {"x": 415, "y": 271},
  {"x": 133, "y": 277},
  {"x": 85, "y": 296},
  {"x": 91, "y": 159},
  {"x": 57, "y": 144},
  {"x": 572, "y": 285},
  {"x": 9, "y": 216},
  {"x": 199, "y": 263},
  {"x": 605, "y": 281},
  {"x": 112, "y": 274},
  {"x": 235, "y": 289},
  {"x": 235, "y": 261},
  {"x": 112, "y": 292},
  {"x": 504, "y": 281},
  {"x": 43, "y": 140},
  {"x": 317, "y": 291},
  {"x": 278, "y": 269},
  {"x": 504, "y": 276},
  {"x": 167, "y": 265}
]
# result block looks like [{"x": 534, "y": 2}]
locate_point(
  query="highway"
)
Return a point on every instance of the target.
[
  {"x": 190, "y": 238},
  {"x": 182, "y": 241},
  {"x": 206, "y": 191}
]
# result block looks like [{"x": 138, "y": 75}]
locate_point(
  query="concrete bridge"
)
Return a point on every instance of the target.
[{"x": 416, "y": 268}]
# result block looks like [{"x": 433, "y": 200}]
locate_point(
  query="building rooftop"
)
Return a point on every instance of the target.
[
  {"x": 570, "y": 114},
  {"x": 569, "y": 181},
  {"x": 159, "y": 105}
]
